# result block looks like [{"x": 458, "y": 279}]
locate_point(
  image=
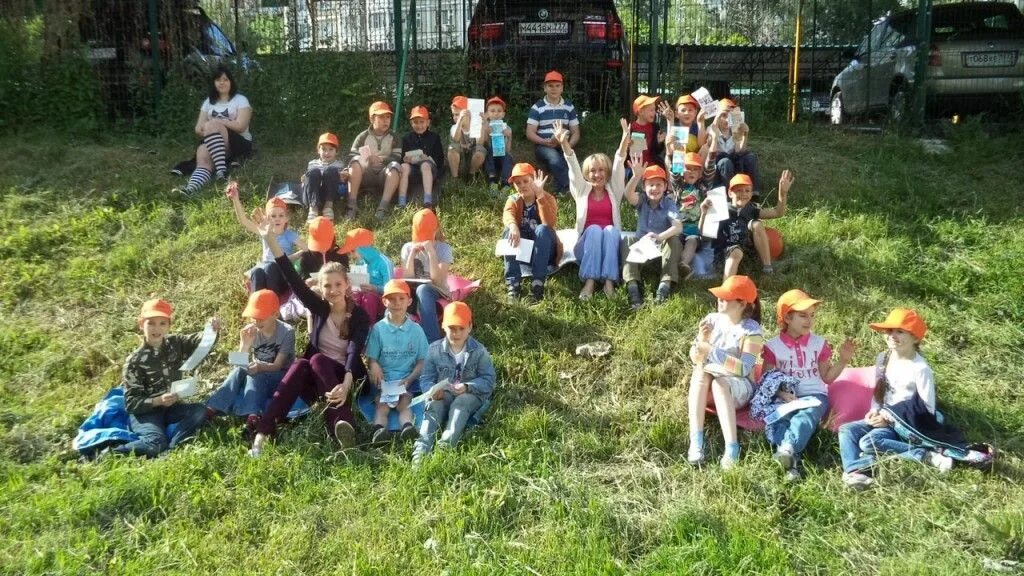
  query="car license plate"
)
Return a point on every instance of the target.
[
  {"x": 544, "y": 28},
  {"x": 989, "y": 59}
]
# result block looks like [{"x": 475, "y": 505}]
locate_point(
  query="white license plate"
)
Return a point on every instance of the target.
[
  {"x": 543, "y": 28},
  {"x": 989, "y": 59}
]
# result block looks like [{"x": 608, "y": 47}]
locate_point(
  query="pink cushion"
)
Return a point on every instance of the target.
[
  {"x": 849, "y": 397},
  {"x": 459, "y": 288}
]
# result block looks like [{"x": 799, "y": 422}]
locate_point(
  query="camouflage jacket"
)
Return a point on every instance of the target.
[{"x": 149, "y": 371}]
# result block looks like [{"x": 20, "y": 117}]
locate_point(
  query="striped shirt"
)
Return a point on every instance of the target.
[{"x": 543, "y": 115}]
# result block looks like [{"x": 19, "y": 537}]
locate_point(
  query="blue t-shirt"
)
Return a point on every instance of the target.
[
  {"x": 286, "y": 241},
  {"x": 543, "y": 115},
  {"x": 377, "y": 266},
  {"x": 529, "y": 222},
  {"x": 657, "y": 219},
  {"x": 396, "y": 348}
]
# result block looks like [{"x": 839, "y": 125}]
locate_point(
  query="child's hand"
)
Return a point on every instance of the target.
[
  {"x": 539, "y": 180},
  {"x": 705, "y": 206},
  {"x": 338, "y": 394},
  {"x": 376, "y": 374},
  {"x": 561, "y": 135},
  {"x": 846, "y": 350},
  {"x": 742, "y": 129},
  {"x": 253, "y": 368},
  {"x": 513, "y": 236},
  {"x": 701, "y": 115},
  {"x": 704, "y": 330},
  {"x": 665, "y": 109},
  {"x": 438, "y": 395},
  {"x": 785, "y": 181},
  {"x": 458, "y": 388},
  {"x": 168, "y": 399},
  {"x": 786, "y": 396},
  {"x": 661, "y": 136},
  {"x": 636, "y": 161},
  {"x": 231, "y": 191},
  {"x": 262, "y": 223},
  {"x": 215, "y": 323},
  {"x": 345, "y": 175},
  {"x": 247, "y": 335}
]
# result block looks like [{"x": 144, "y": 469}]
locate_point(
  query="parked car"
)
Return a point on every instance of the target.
[
  {"x": 511, "y": 44},
  {"x": 975, "y": 55}
]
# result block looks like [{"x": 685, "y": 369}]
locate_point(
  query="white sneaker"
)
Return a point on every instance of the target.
[
  {"x": 784, "y": 456},
  {"x": 313, "y": 213},
  {"x": 857, "y": 480},
  {"x": 728, "y": 462},
  {"x": 942, "y": 462},
  {"x": 695, "y": 456},
  {"x": 329, "y": 211}
]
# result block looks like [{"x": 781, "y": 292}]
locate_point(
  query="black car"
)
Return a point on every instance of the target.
[{"x": 512, "y": 44}]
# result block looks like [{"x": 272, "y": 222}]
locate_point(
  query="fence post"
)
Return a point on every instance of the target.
[
  {"x": 154, "y": 49},
  {"x": 794, "y": 87},
  {"x": 652, "y": 56},
  {"x": 924, "y": 42}
]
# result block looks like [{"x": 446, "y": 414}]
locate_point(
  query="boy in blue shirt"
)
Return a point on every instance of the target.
[
  {"x": 396, "y": 350},
  {"x": 540, "y": 129},
  {"x": 658, "y": 218}
]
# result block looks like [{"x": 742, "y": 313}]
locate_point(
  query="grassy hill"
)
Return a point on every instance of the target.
[{"x": 580, "y": 468}]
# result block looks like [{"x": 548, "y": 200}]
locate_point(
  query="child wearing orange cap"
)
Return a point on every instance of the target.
[
  {"x": 427, "y": 260},
  {"x": 646, "y": 122},
  {"x": 657, "y": 217},
  {"x": 465, "y": 154},
  {"x": 271, "y": 343},
  {"x": 147, "y": 377},
  {"x": 726, "y": 355},
  {"x": 690, "y": 189},
  {"x": 732, "y": 155},
  {"x": 380, "y": 169},
  {"x": 685, "y": 126},
  {"x": 499, "y": 168},
  {"x": 743, "y": 230},
  {"x": 541, "y": 129},
  {"x": 466, "y": 365},
  {"x": 324, "y": 174},
  {"x": 396, "y": 350},
  {"x": 799, "y": 353},
  {"x": 321, "y": 248},
  {"x": 530, "y": 213},
  {"x": 266, "y": 273},
  {"x": 422, "y": 158},
  {"x": 902, "y": 374},
  {"x": 365, "y": 258}
]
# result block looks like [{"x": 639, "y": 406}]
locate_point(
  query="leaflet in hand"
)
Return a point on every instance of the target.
[
  {"x": 792, "y": 406},
  {"x": 391, "y": 390},
  {"x": 707, "y": 102},
  {"x": 719, "y": 205},
  {"x": 415, "y": 155},
  {"x": 735, "y": 119},
  {"x": 442, "y": 385},
  {"x": 185, "y": 387},
  {"x": 237, "y": 358},
  {"x": 643, "y": 250},
  {"x": 637, "y": 144},
  {"x": 476, "y": 119},
  {"x": 202, "y": 351},
  {"x": 358, "y": 275},
  {"x": 523, "y": 252},
  {"x": 364, "y": 155}
]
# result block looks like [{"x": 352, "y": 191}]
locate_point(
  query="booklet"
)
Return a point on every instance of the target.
[
  {"x": 637, "y": 144},
  {"x": 358, "y": 276},
  {"x": 185, "y": 387},
  {"x": 391, "y": 390},
  {"x": 707, "y": 102},
  {"x": 523, "y": 252},
  {"x": 476, "y": 118},
  {"x": 792, "y": 406},
  {"x": 735, "y": 118},
  {"x": 719, "y": 204},
  {"x": 237, "y": 358},
  {"x": 442, "y": 385},
  {"x": 643, "y": 250},
  {"x": 202, "y": 351}
]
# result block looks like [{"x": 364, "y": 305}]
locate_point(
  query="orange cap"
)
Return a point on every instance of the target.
[
  {"x": 457, "y": 314},
  {"x": 321, "y": 234},
  {"x": 740, "y": 180},
  {"x": 262, "y": 305},
  {"x": 380, "y": 108},
  {"x": 654, "y": 171},
  {"x": 460, "y": 102},
  {"x": 419, "y": 112},
  {"x": 327, "y": 138},
  {"x": 522, "y": 169},
  {"x": 424, "y": 225},
  {"x": 275, "y": 202},
  {"x": 687, "y": 99},
  {"x": 736, "y": 288},
  {"x": 497, "y": 100},
  {"x": 904, "y": 319},
  {"x": 356, "y": 238},
  {"x": 642, "y": 101},
  {"x": 553, "y": 76},
  {"x": 793, "y": 301},
  {"x": 726, "y": 104},
  {"x": 693, "y": 159},
  {"x": 156, "y": 308},
  {"x": 396, "y": 286}
]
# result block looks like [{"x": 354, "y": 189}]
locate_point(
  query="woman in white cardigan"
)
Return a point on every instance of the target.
[{"x": 598, "y": 221}]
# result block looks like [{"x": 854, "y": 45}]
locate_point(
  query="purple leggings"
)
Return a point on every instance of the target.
[{"x": 311, "y": 380}]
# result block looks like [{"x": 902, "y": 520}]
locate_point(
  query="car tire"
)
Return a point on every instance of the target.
[
  {"x": 898, "y": 104},
  {"x": 836, "y": 112}
]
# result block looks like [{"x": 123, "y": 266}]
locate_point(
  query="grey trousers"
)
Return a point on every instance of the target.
[{"x": 451, "y": 412}]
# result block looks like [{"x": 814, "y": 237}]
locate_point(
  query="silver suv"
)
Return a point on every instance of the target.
[{"x": 975, "y": 53}]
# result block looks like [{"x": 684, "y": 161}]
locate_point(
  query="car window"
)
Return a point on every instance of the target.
[
  {"x": 976, "y": 20},
  {"x": 215, "y": 40}
]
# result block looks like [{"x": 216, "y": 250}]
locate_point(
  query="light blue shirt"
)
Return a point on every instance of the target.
[{"x": 396, "y": 348}]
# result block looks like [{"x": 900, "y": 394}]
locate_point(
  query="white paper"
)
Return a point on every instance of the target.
[
  {"x": 476, "y": 119},
  {"x": 710, "y": 228},
  {"x": 358, "y": 275},
  {"x": 416, "y": 155},
  {"x": 185, "y": 387},
  {"x": 783, "y": 409},
  {"x": 719, "y": 205},
  {"x": 707, "y": 102},
  {"x": 637, "y": 144},
  {"x": 523, "y": 252},
  {"x": 391, "y": 390},
  {"x": 314, "y": 275},
  {"x": 237, "y": 358},
  {"x": 736, "y": 118},
  {"x": 442, "y": 385},
  {"x": 643, "y": 250},
  {"x": 205, "y": 345}
]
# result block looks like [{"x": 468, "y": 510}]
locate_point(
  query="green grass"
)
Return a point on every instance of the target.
[{"x": 579, "y": 468}]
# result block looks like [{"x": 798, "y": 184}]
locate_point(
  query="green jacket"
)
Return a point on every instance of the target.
[{"x": 149, "y": 372}]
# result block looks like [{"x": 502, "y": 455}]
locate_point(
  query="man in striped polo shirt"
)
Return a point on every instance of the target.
[{"x": 540, "y": 129}]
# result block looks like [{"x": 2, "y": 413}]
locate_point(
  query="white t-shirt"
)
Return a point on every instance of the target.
[
  {"x": 907, "y": 377},
  {"x": 227, "y": 110}
]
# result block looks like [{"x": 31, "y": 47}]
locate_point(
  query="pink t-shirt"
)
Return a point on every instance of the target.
[
  {"x": 800, "y": 358},
  {"x": 599, "y": 212},
  {"x": 331, "y": 344}
]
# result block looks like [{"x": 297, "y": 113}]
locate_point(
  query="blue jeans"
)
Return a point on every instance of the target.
[
  {"x": 151, "y": 428},
  {"x": 543, "y": 256},
  {"x": 492, "y": 165},
  {"x": 860, "y": 444},
  {"x": 320, "y": 188},
  {"x": 796, "y": 428},
  {"x": 426, "y": 304},
  {"x": 597, "y": 252},
  {"x": 453, "y": 413},
  {"x": 742, "y": 163},
  {"x": 242, "y": 394},
  {"x": 557, "y": 166},
  {"x": 268, "y": 275}
]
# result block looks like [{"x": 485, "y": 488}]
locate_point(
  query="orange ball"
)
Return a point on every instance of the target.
[{"x": 774, "y": 242}]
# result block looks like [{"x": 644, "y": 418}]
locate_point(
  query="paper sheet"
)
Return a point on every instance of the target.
[
  {"x": 415, "y": 155},
  {"x": 707, "y": 102},
  {"x": 637, "y": 143},
  {"x": 442, "y": 385},
  {"x": 643, "y": 250},
  {"x": 237, "y": 358},
  {"x": 205, "y": 345},
  {"x": 185, "y": 387},
  {"x": 391, "y": 390},
  {"x": 783, "y": 409},
  {"x": 476, "y": 119},
  {"x": 523, "y": 252},
  {"x": 719, "y": 204},
  {"x": 358, "y": 275},
  {"x": 710, "y": 228},
  {"x": 736, "y": 117}
]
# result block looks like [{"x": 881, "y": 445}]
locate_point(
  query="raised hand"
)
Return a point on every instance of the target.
[
  {"x": 785, "y": 182},
  {"x": 846, "y": 350},
  {"x": 665, "y": 109},
  {"x": 263, "y": 225},
  {"x": 247, "y": 335},
  {"x": 539, "y": 180},
  {"x": 231, "y": 191}
]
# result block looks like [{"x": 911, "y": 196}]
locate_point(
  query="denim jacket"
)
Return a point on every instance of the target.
[{"x": 478, "y": 374}]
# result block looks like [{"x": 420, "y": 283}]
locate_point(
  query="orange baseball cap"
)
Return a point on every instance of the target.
[
  {"x": 395, "y": 286},
  {"x": 904, "y": 319},
  {"x": 693, "y": 159},
  {"x": 327, "y": 138},
  {"x": 497, "y": 100},
  {"x": 275, "y": 202},
  {"x": 356, "y": 238},
  {"x": 419, "y": 112},
  {"x": 522, "y": 169},
  {"x": 736, "y": 288},
  {"x": 156, "y": 308},
  {"x": 424, "y": 225},
  {"x": 457, "y": 314},
  {"x": 726, "y": 104},
  {"x": 262, "y": 305},
  {"x": 654, "y": 171},
  {"x": 553, "y": 76},
  {"x": 379, "y": 108},
  {"x": 740, "y": 180},
  {"x": 321, "y": 234},
  {"x": 642, "y": 101},
  {"x": 460, "y": 102},
  {"x": 793, "y": 301},
  {"x": 687, "y": 99}
]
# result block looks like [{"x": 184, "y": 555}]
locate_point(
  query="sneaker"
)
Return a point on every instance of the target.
[
  {"x": 857, "y": 480},
  {"x": 767, "y": 270},
  {"x": 784, "y": 456},
  {"x": 685, "y": 271},
  {"x": 345, "y": 434},
  {"x": 536, "y": 294},
  {"x": 695, "y": 456},
  {"x": 728, "y": 462},
  {"x": 942, "y": 462},
  {"x": 636, "y": 298},
  {"x": 512, "y": 292},
  {"x": 408, "y": 433},
  {"x": 417, "y": 457},
  {"x": 352, "y": 213},
  {"x": 328, "y": 211},
  {"x": 234, "y": 164},
  {"x": 221, "y": 175},
  {"x": 313, "y": 213},
  {"x": 793, "y": 475},
  {"x": 664, "y": 289},
  {"x": 183, "y": 190},
  {"x": 402, "y": 201},
  {"x": 177, "y": 172},
  {"x": 380, "y": 214},
  {"x": 381, "y": 435}
]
